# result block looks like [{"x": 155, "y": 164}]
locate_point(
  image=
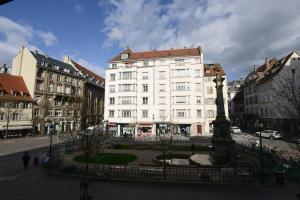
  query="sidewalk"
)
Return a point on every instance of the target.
[{"x": 15, "y": 145}]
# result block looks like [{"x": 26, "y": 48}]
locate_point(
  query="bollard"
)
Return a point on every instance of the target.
[{"x": 279, "y": 175}]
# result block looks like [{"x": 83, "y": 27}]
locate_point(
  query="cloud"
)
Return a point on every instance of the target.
[
  {"x": 235, "y": 33},
  {"x": 14, "y": 35},
  {"x": 78, "y": 8},
  {"x": 48, "y": 38}
]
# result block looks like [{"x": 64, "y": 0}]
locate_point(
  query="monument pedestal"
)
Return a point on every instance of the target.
[{"x": 223, "y": 145}]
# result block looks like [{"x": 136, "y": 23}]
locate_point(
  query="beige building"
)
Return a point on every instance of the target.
[
  {"x": 56, "y": 88},
  {"x": 15, "y": 107},
  {"x": 154, "y": 90},
  {"x": 210, "y": 95}
]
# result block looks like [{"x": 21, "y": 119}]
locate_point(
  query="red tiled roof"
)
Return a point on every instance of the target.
[
  {"x": 158, "y": 54},
  {"x": 212, "y": 69},
  {"x": 88, "y": 72},
  {"x": 16, "y": 84}
]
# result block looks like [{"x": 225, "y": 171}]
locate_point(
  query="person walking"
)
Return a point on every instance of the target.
[{"x": 26, "y": 158}]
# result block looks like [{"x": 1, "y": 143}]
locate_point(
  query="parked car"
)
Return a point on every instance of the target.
[
  {"x": 235, "y": 129},
  {"x": 271, "y": 134}
]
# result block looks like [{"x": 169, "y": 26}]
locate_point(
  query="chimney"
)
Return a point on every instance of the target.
[
  {"x": 254, "y": 68},
  {"x": 36, "y": 51},
  {"x": 67, "y": 59},
  {"x": 46, "y": 56},
  {"x": 267, "y": 62}
]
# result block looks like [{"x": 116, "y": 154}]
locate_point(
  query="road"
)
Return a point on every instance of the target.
[
  {"x": 11, "y": 146},
  {"x": 279, "y": 145}
]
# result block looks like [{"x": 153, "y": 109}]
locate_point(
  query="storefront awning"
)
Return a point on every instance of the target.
[{"x": 2, "y": 128}]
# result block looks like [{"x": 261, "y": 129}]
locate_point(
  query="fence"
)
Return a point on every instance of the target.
[{"x": 228, "y": 175}]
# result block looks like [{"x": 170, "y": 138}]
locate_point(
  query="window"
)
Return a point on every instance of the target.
[
  {"x": 145, "y": 88},
  {"x": 162, "y": 87},
  {"x": 113, "y": 77},
  {"x": 114, "y": 65},
  {"x": 57, "y": 102},
  {"x": 126, "y": 100},
  {"x": 162, "y": 100},
  {"x": 50, "y": 112},
  {"x": 68, "y": 90},
  {"x": 197, "y": 73},
  {"x": 127, "y": 87},
  {"x": 162, "y": 74},
  {"x": 26, "y": 105},
  {"x": 37, "y": 112},
  {"x": 145, "y": 113},
  {"x": 111, "y": 100},
  {"x": 210, "y": 101},
  {"x": 210, "y": 113},
  {"x": 180, "y": 73},
  {"x": 179, "y": 61},
  {"x": 145, "y": 63},
  {"x": 58, "y": 113},
  {"x": 126, "y": 75},
  {"x": 112, "y": 88},
  {"x": 126, "y": 113},
  {"x": 50, "y": 77},
  {"x": 198, "y": 100},
  {"x": 66, "y": 70},
  {"x": 66, "y": 79},
  {"x": 210, "y": 89},
  {"x": 180, "y": 99},
  {"x": 111, "y": 113},
  {"x": 180, "y": 113},
  {"x": 124, "y": 56},
  {"x": 40, "y": 74},
  {"x": 181, "y": 86},
  {"x": 50, "y": 87},
  {"x": 198, "y": 87},
  {"x": 58, "y": 78},
  {"x": 59, "y": 88},
  {"x": 145, "y": 100},
  {"x": 199, "y": 113},
  {"x": 145, "y": 75},
  {"x": 208, "y": 79}
]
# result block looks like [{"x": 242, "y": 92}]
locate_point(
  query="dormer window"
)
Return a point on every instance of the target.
[
  {"x": 1, "y": 93},
  {"x": 114, "y": 65},
  {"x": 124, "y": 56},
  {"x": 66, "y": 70},
  {"x": 56, "y": 67}
]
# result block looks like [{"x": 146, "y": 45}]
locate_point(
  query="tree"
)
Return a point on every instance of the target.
[
  {"x": 9, "y": 111},
  {"x": 286, "y": 96}
]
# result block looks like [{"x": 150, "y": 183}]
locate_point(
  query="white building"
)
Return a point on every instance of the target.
[{"x": 153, "y": 89}]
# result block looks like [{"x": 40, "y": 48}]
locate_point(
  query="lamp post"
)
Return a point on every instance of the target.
[
  {"x": 259, "y": 126},
  {"x": 84, "y": 184},
  {"x": 50, "y": 130}
]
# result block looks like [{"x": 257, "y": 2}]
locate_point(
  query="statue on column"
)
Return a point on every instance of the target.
[{"x": 223, "y": 144}]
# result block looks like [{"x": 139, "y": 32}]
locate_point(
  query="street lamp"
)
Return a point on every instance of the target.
[
  {"x": 259, "y": 126},
  {"x": 50, "y": 130}
]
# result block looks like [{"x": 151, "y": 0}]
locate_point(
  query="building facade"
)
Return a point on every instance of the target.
[
  {"x": 56, "y": 88},
  {"x": 268, "y": 94},
  {"x": 154, "y": 90},
  {"x": 232, "y": 88},
  {"x": 92, "y": 112},
  {"x": 210, "y": 95},
  {"x": 15, "y": 107}
]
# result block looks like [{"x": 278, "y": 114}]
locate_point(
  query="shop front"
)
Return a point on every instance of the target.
[
  {"x": 163, "y": 128},
  {"x": 112, "y": 128},
  {"x": 144, "y": 130},
  {"x": 127, "y": 130},
  {"x": 182, "y": 129}
]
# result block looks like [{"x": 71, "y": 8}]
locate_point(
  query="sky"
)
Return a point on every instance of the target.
[{"x": 235, "y": 33}]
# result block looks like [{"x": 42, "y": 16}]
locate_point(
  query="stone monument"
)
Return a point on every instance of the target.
[{"x": 223, "y": 144}]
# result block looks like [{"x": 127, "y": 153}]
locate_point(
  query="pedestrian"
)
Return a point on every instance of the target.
[{"x": 26, "y": 158}]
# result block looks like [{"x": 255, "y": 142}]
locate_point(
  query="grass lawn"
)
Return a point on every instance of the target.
[{"x": 108, "y": 158}]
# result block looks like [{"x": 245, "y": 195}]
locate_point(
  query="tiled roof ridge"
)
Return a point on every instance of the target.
[{"x": 87, "y": 71}]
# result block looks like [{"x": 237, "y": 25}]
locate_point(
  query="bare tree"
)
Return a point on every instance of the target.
[
  {"x": 286, "y": 96},
  {"x": 8, "y": 112}
]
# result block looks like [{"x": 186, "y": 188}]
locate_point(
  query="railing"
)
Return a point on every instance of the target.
[{"x": 213, "y": 175}]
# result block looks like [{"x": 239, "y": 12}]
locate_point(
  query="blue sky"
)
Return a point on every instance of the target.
[{"x": 235, "y": 33}]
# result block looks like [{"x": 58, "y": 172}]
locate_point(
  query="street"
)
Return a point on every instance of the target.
[
  {"x": 278, "y": 145},
  {"x": 11, "y": 146}
]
